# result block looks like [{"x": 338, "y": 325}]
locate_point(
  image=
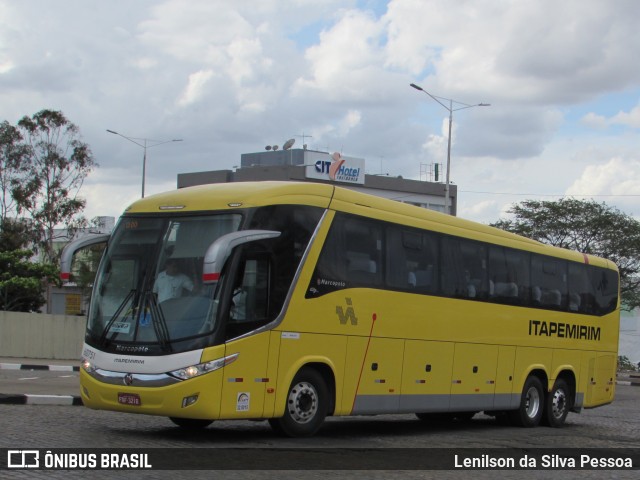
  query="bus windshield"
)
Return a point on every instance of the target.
[
  {"x": 152, "y": 295},
  {"x": 148, "y": 293}
]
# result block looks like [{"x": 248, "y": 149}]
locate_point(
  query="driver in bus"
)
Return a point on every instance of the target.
[{"x": 171, "y": 283}]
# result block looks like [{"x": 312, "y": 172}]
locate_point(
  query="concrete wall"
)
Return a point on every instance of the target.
[{"x": 37, "y": 335}]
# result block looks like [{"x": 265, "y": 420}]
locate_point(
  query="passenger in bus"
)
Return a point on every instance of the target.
[
  {"x": 546, "y": 297},
  {"x": 503, "y": 289},
  {"x": 574, "y": 302},
  {"x": 471, "y": 285},
  {"x": 171, "y": 283},
  {"x": 422, "y": 279}
]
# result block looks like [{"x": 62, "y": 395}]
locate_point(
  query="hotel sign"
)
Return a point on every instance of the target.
[{"x": 336, "y": 168}]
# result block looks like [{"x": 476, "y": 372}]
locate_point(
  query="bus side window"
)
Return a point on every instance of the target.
[
  {"x": 250, "y": 297},
  {"x": 508, "y": 275},
  {"x": 410, "y": 260},
  {"x": 352, "y": 256},
  {"x": 464, "y": 269},
  {"x": 363, "y": 247},
  {"x": 605, "y": 287},
  {"x": 580, "y": 296},
  {"x": 549, "y": 282}
]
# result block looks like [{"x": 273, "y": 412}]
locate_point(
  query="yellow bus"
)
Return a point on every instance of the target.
[{"x": 292, "y": 302}]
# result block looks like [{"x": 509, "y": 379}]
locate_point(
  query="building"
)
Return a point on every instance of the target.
[{"x": 304, "y": 165}]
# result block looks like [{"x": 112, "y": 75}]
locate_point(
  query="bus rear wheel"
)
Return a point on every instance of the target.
[
  {"x": 307, "y": 405},
  {"x": 529, "y": 413},
  {"x": 558, "y": 404},
  {"x": 191, "y": 423}
]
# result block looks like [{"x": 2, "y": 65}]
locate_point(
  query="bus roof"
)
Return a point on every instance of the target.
[{"x": 230, "y": 196}]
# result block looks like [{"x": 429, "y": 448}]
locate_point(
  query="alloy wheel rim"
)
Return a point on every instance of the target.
[
  {"x": 532, "y": 402},
  {"x": 303, "y": 402},
  {"x": 559, "y": 403}
]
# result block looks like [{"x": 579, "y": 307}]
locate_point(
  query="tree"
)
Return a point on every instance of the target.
[
  {"x": 22, "y": 281},
  {"x": 14, "y": 235},
  {"x": 588, "y": 227},
  {"x": 13, "y": 156},
  {"x": 58, "y": 162}
]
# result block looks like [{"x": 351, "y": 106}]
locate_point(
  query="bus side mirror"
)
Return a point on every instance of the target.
[
  {"x": 72, "y": 247},
  {"x": 220, "y": 250}
]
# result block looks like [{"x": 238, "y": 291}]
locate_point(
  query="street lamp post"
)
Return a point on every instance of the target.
[
  {"x": 450, "y": 109},
  {"x": 144, "y": 145}
]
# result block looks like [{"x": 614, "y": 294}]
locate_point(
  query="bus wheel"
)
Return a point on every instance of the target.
[
  {"x": 558, "y": 404},
  {"x": 529, "y": 413},
  {"x": 191, "y": 423},
  {"x": 307, "y": 405}
]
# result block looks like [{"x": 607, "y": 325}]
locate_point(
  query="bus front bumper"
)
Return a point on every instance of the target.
[{"x": 198, "y": 397}]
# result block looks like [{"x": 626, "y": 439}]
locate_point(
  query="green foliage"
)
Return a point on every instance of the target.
[
  {"x": 43, "y": 164},
  {"x": 14, "y": 235},
  {"x": 12, "y": 168},
  {"x": 85, "y": 266},
  {"x": 55, "y": 167},
  {"x": 588, "y": 227},
  {"x": 625, "y": 365},
  {"x": 22, "y": 281}
]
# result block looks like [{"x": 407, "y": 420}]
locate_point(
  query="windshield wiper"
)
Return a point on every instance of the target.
[
  {"x": 115, "y": 316},
  {"x": 159, "y": 322}
]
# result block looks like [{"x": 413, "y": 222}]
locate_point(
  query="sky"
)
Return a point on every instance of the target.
[{"x": 231, "y": 76}]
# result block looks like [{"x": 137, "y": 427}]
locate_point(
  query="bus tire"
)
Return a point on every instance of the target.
[
  {"x": 529, "y": 413},
  {"x": 307, "y": 405},
  {"x": 558, "y": 404},
  {"x": 191, "y": 423}
]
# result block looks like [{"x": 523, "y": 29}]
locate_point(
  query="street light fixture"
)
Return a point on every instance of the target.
[
  {"x": 450, "y": 109},
  {"x": 144, "y": 145}
]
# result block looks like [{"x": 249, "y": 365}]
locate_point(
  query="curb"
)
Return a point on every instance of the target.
[
  {"x": 52, "y": 368},
  {"x": 32, "y": 399},
  {"x": 628, "y": 383},
  {"x": 28, "y": 399}
]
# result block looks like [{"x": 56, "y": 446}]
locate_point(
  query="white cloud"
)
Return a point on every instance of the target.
[
  {"x": 630, "y": 119},
  {"x": 592, "y": 120},
  {"x": 618, "y": 176},
  {"x": 351, "y": 120},
  {"x": 195, "y": 87},
  {"x": 230, "y": 77},
  {"x": 523, "y": 52},
  {"x": 347, "y": 61}
]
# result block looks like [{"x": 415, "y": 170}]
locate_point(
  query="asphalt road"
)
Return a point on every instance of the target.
[{"x": 39, "y": 382}]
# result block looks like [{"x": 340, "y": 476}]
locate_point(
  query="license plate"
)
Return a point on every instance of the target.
[{"x": 129, "y": 399}]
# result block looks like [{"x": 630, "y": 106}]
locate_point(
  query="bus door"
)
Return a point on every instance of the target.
[{"x": 245, "y": 379}]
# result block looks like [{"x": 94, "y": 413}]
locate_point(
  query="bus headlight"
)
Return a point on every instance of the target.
[
  {"x": 200, "y": 369},
  {"x": 87, "y": 366}
]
